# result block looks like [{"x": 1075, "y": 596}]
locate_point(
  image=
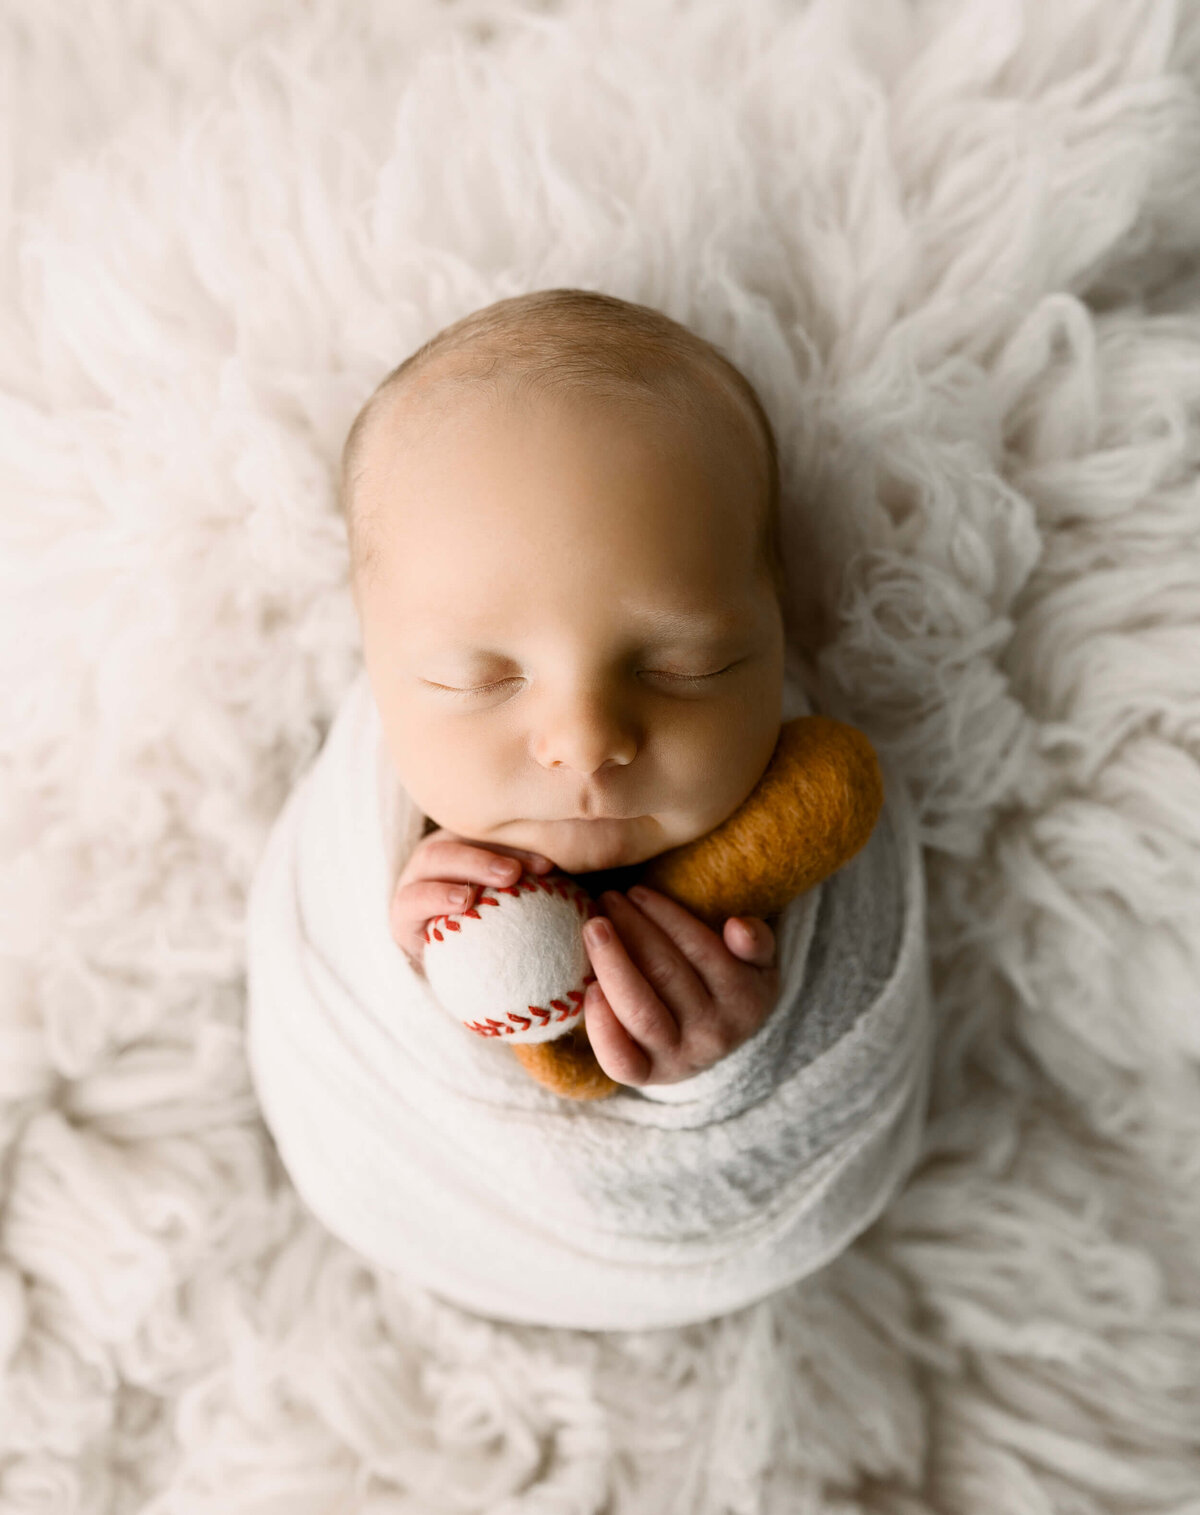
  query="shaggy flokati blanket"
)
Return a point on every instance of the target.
[{"x": 955, "y": 246}]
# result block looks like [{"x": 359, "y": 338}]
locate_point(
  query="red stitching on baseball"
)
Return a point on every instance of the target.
[
  {"x": 565, "y": 888},
  {"x": 493, "y": 1027}
]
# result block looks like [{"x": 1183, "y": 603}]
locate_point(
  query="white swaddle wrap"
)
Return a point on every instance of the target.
[{"x": 432, "y": 1152}]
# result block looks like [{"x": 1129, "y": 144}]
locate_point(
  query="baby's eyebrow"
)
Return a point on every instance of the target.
[
  {"x": 691, "y": 623},
  {"x": 659, "y": 627},
  {"x": 673, "y": 631}
]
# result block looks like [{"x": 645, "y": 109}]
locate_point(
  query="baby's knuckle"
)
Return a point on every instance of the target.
[
  {"x": 641, "y": 1015},
  {"x": 439, "y": 844},
  {"x": 661, "y": 973},
  {"x": 728, "y": 979},
  {"x": 426, "y": 859},
  {"x": 648, "y": 1021}
]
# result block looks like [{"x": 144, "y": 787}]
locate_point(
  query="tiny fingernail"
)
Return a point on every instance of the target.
[
  {"x": 597, "y": 932},
  {"x": 539, "y": 861},
  {"x": 502, "y": 870},
  {"x": 458, "y": 896}
]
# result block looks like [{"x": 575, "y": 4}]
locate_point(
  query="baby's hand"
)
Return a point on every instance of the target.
[
  {"x": 439, "y": 878},
  {"x": 672, "y": 998}
]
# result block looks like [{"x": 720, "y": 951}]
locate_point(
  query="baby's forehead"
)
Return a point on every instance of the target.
[
  {"x": 458, "y": 391},
  {"x": 467, "y": 444},
  {"x": 435, "y": 421}
]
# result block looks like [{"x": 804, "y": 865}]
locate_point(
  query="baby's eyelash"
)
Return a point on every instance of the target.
[
  {"x": 479, "y": 689},
  {"x": 678, "y": 678}
]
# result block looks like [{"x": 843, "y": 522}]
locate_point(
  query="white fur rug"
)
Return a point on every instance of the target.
[{"x": 956, "y": 247}]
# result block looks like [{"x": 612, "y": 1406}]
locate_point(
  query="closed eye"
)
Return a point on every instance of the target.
[{"x": 675, "y": 678}]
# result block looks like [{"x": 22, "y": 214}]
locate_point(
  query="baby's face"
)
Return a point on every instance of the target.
[{"x": 568, "y": 638}]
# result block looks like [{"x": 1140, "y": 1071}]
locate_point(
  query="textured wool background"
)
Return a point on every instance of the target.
[{"x": 956, "y": 247}]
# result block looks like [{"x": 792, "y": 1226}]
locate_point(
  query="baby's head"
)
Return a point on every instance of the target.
[{"x": 565, "y": 560}]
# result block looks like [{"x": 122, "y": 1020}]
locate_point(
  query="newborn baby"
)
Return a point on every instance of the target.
[
  {"x": 563, "y": 516},
  {"x": 565, "y": 563}
]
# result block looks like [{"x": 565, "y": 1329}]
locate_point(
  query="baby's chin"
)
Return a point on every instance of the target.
[{"x": 590, "y": 846}]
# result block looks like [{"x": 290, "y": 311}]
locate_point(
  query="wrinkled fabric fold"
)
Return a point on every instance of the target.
[{"x": 431, "y": 1152}]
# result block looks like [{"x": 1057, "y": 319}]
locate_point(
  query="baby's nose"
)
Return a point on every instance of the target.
[{"x": 586, "y": 746}]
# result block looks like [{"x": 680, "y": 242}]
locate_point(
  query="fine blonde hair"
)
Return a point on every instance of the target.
[{"x": 571, "y": 341}]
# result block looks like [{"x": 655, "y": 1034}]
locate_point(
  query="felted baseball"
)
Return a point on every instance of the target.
[{"x": 514, "y": 965}]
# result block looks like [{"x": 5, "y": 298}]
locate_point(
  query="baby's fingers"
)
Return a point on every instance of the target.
[
  {"x": 614, "y": 1049},
  {"x": 417, "y": 903},
  {"x": 443, "y": 855},
  {"x": 631, "y": 1021},
  {"x": 750, "y": 939}
]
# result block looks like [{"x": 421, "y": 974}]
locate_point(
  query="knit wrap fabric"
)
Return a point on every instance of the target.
[{"x": 433, "y": 1154}]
